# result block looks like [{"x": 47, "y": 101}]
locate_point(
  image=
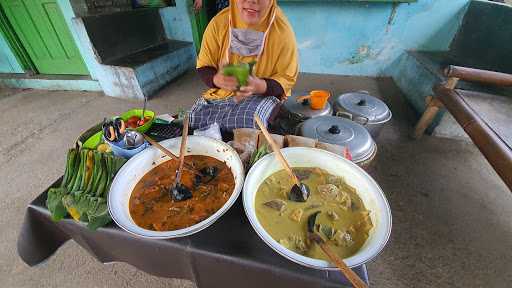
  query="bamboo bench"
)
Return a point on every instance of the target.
[{"x": 492, "y": 138}]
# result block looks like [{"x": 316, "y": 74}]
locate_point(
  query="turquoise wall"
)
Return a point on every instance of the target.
[
  {"x": 176, "y": 21},
  {"x": 8, "y": 63},
  {"x": 344, "y": 38},
  {"x": 350, "y": 38}
]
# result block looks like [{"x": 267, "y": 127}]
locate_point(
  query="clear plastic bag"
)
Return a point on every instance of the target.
[{"x": 212, "y": 131}]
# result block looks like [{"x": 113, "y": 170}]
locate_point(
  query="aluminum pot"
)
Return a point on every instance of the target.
[
  {"x": 303, "y": 109},
  {"x": 364, "y": 109},
  {"x": 343, "y": 132},
  {"x": 294, "y": 112}
]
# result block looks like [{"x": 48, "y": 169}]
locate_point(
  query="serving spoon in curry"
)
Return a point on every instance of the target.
[
  {"x": 205, "y": 175},
  {"x": 300, "y": 192},
  {"x": 314, "y": 237},
  {"x": 180, "y": 192}
]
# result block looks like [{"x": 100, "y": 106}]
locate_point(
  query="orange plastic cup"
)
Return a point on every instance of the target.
[{"x": 318, "y": 99}]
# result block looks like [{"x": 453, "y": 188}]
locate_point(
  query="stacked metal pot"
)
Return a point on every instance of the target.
[{"x": 354, "y": 121}]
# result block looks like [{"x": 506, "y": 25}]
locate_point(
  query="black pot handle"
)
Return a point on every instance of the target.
[{"x": 334, "y": 129}]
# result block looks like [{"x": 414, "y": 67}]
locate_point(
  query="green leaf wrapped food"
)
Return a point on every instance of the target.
[
  {"x": 239, "y": 71},
  {"x": 54, "y": 203},
  {"x": 70, "y": 165},
  {"x": 73, "y": 173},
  {"x": 84, "y": 189},
  {"x": 87, "y": 208}
]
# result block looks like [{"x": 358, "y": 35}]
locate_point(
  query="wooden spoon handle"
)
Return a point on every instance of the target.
[
  {"x": 351, "y": 275},
  {"x": 169, "y": 153},
  {"x": 160, "y": 147},
  {"x": 276, "y": 149},
  {"x": 183, "y": 149}
]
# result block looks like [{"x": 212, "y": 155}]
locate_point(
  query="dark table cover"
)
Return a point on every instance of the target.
[{"x": 227, "y": 254}]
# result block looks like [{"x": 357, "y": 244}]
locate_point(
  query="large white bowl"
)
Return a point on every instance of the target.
[
  {"x": 367, "y": 189},
  {"x": 133, "y": 170}
]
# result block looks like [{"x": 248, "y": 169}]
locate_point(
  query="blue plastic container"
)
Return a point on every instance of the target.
[{"x": 119, "y": 150}]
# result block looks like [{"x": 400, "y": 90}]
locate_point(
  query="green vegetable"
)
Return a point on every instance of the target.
[
  {"x": 54, "y": 203},
  {"x": 70, "y": 162},
  {"x": 69, "y": 203},
  {"x": 74, "y": 170},
  {"x": 83, "y": 179},
  {"x": 88, "y": 170},
  {"x": 118, "y": 163},
  {"x": 100, "y": 217},
  {"x": 93, "y": 210},
  {"x": 239, "y": 71},
  {"x": 78, "y": 180},
  {"x": 84, "y": 188},
  {"x": 110, "y": 173},
  {"x": 95, "y": 172},
  {"x": 258, "y": 154},
  {"x": 103, "y": 178}
]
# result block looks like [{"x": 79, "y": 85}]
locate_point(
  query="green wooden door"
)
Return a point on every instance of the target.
[
  {"x": 43, "y": 32},
  {"x": 199, "y": 22}
]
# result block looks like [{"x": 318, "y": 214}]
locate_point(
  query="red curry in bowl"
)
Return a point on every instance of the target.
[{"x": 152, "y": 208}]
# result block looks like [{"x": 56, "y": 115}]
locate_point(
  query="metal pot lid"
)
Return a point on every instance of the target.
[
  {"x": 343, "y": 132},
  {"x": 303, "y": 108},
  {"x": 361, "y": 104}
]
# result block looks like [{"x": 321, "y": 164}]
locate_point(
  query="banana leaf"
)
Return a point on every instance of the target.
[
  {"x": 73, "y": 174},
  {"x": 70, "y": 164},
  {"x": 89, "y": 175},
  {"x": 54, "y": 203},
  {"x": 87, "y": 208}
]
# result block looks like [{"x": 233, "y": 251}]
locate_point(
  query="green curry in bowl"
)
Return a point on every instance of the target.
[{"x": 343, "y": 222}]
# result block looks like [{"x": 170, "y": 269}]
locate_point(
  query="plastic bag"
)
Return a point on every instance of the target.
[{"x": 212, "y": 131}]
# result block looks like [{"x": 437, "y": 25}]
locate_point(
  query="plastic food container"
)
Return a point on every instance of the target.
[
  {"x": 119, "y": 150},
  {"x": 319, "y": 99},
  {"x": 138, "y": 112}
]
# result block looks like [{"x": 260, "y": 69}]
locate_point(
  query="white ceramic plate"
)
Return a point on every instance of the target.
[
  {"x": 133, "y": 170},
  {"x": 367, "y": 189}
]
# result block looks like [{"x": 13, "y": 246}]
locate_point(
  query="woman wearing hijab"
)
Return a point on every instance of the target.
[{"x": 249, "y": 30}]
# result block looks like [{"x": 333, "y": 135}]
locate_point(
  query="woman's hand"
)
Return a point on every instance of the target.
[
  {"x": 198, "y": 4},
  {"x": 225, "y": 82},
  {"x": 254, "y": 86}
]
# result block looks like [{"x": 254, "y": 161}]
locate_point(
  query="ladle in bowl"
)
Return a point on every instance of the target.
[
  {"x": 314, "y": 237},
  {"x": 300, "y": 192},
  {"x": 204, "y": 175},
  {"x": 142, "y": 120},
  {"x": 133, "y": 139},
  {"x": 180, "y": 192}
]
